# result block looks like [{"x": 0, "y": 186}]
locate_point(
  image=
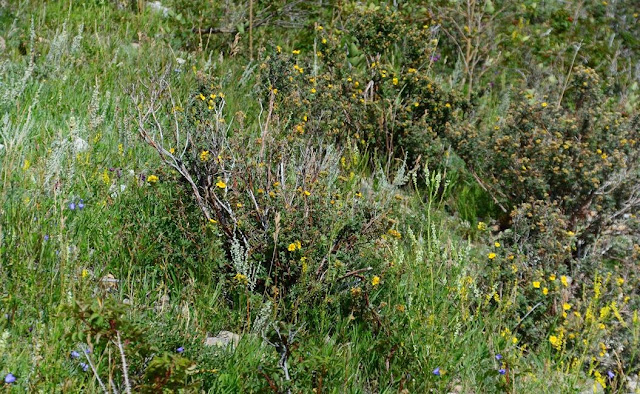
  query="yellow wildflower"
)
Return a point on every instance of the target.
[
  {"x": 241, "y": 278},
  {"x": 552, "y": 277},
  {"x": 482, "y": 226},
  {"x": 496, "y": 244},
  {"x": 221, "y": 184},
  {"x": 566, "y": 306},
  {"x": 564, "y": 281},
  {"x": 152, "y": 179},
  {"x": 491, "y": 256},
  {"x": 545, "y": 291},
  {"x": 204, "y": 155},
  {"x": 375, "y": 281},
  {"x": 536, "y": 285},
  {"x": 292, "y": 247},
  {"x": 544, "y": 105}
]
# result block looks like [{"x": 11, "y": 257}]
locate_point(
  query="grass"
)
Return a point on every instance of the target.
[{"x": 146, "y": 248}]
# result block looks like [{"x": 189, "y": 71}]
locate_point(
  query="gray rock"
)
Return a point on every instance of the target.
[
  {"x": 223, "y": 339},
  {"x": 156, "y": 6}
]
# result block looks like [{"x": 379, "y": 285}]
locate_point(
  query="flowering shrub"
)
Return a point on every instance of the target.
[
  {"x": 581, "y": 157},
  {"x": 378, "y": 92},
  {"x": 293, "y": 216},
  {"x": 567, "y": 175}
]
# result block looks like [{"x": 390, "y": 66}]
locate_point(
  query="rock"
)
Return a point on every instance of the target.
[
  {"x": 223, "y": 339},
  {"x": 633, "y": 384},
  {"x": 156, "y": 6},
  {"x": 109, "y": 282}
]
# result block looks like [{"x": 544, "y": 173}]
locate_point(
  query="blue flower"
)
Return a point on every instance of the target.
[
  {"x": 611, "y": 375},
  {"x": 46, "y": 237},
  {"x": 436, "y": 371},
  {"x": 180, "y": 349},
  {"x": 81, "y": 204},
  {"x": 85, "y": 367},
  {"x": 502, "y": 371},
  {"x": 72, "y": 206},
  {"x": 498, "y": 356},
  {"x": 9, "y": 378},
  {"x": 74, "y": 354}
]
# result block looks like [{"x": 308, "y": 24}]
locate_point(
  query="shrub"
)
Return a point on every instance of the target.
[
  {"x": 293, "y": 216},
  {"x": 365, "y": 84}
]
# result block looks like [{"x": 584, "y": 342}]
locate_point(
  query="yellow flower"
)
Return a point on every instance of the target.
[
  {"x": 296, "y": 52},
  {"x": 620, "y": 281},
  {"x": 564, "y": 281},
  {"x": 172, "y": 150},
  {"x": 84, "y": 273},
  {"x": 394, "y": 233},
  {"x": 395, "y": 81},
  {"x": 491, "y": 256},
  {"x": 313, "y": 90},
  {"x": 552, "y": 277},
  {"x": 545, "y": 291},
  {"x": 375, "y": 281},
  {"x": 496, "y": 244},
  {"x": 202, "y": 97},
  {"x": 204, "y": 155},
  {"x": 221, "y": 184},
  {"x": 307, "y": 193},
  {"x": 566, "y": 306},
  {"x": 292, "y": 247},
  {"x": 482, "y": 226},
  {"x": 152, "y": 179},
  {"x": 298, "y": 244},
  {"x": 544, "y": 105},
  {"x": 241, "y": 278},
  {"x": 26, "y": 165},
  {"x": 213, "y": 221},
  {"x": 536, "y": 285}
]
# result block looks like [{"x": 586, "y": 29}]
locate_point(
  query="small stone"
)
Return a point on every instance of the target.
[
  {"x": 223, "y": 339},
  {"x": 157, "y": 6}
]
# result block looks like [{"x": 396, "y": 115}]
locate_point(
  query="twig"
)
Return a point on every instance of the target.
[
  {"x": 359, "y": 271},
  {"x": 566, "y": 80},
  {"x": 525, "y": 316},
  {"x": 125, "y": 369},
  {"x": 95, "y": 372}
]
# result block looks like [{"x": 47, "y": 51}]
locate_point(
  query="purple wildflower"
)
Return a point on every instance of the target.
[
  {"x": 81, "y": 204},
  {"x": 9, "y": 378},
  {"x": 46, "y": 237},
  {"x": 436, "y": 371},
  {"x": 72, "y": 206},
  {"x": 502, "y": 371},
  {"x": 180, "y": 349},
  {"x": 498, "y": 356},
  {"x": 435, "y": 57},
  {"x": 611, "y": 375},
  {"x": 74, "y": 354},
  {"x": 84, "y": 366}
]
